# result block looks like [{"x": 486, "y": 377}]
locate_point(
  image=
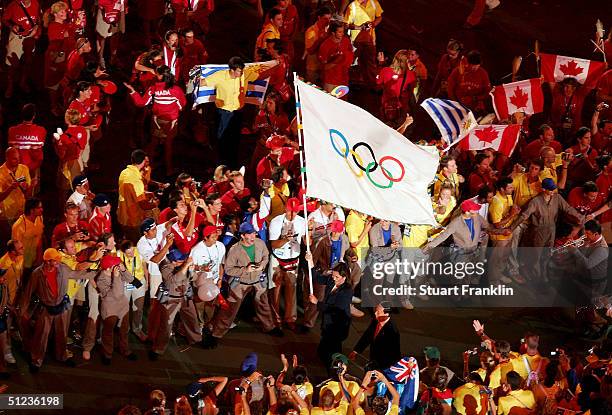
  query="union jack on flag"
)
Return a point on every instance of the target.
[
  {"x": 405, "y": 377},
  {"x": 404, "y": 369}
]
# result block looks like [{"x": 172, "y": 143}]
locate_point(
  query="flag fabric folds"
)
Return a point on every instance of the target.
[
  {"x": 453, "y": 119},
  {"x": 404, "y": 375},
  {"x": 356, "y": 161},
  {"x": 256, "y": 90},
  {"x": 502, "y": 138},
  {"x": 524, "y": 96},
  {"x": 556, "y": 68}
]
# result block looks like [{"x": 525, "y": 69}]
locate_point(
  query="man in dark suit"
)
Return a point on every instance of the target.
[
  {"x": 383, "y": 338},
  {"x": 335, "y": 308}
]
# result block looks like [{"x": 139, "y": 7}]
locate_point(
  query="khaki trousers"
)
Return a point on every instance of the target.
[
  {"x": 189, "y": 318},
  {"x": 225, "y": 318},
  {"x": 42, "y": 329}
]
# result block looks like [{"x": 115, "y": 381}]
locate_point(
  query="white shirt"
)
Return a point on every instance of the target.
[
  {"x": 148, "y": 248},
  {"x": 322, "y": 222},
  {"x": 484, "y": 207},
  {"x": 214, "y": 254},
  {"x": 281, "y": 226}
]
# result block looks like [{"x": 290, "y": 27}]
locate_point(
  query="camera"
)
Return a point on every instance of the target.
[
  {"x": 267, "y": 382},
  {"x": 605, "y": 105},
  {"x": 373, "y": 376},
  {"x": 239, "y": 389},
  {"x": 338, "y": 366},
  {"x": 20, "y": 179}
]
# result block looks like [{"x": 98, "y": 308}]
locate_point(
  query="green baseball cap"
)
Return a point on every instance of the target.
[{"x": 431, "y": 352}]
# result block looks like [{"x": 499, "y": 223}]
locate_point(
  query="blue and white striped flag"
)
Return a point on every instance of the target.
[
  {"x": 454, "y": 120},
  {"x": 256, "y": 90}
]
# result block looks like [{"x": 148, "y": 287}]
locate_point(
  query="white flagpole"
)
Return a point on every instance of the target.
[{"x": 298, "y": 115}]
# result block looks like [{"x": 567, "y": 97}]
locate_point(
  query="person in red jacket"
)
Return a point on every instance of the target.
[
  {"x": 193, "y": 13},
  {"x": 566, "y": 109},
  {"x": 61, "y": 34},
  {"x": 470, "y": 85},
  {"x": 29, "y": 139},
  {"x": 278, "y": 75},
  {"x": 75, "y": 63},
  {"x": 291, "y": 22},
  {"x": 110, "y": 20},
  {"x": 482, "y": 176},
  {"x": 547, "y": 139},
  {"x": 279, "y": 155},
  {"x": 586, "y": 198},
  {"x": 396, "y": 81},
  {"x": 168, "y": 101},
  {"x": 100, "y": 221},
  {"x": 194, "y": 53},
  {"x": 73, "y": 227},
  {"x": 172, "y": 52},
  {"x": 23, "y": 18},
  {"x": 583, "y": 166},
  {"x": 448, "y": 62},
  {"x": 69, "y": 146},
  {"x": 336, "y": 56},
  {"x": 231, "y": 199}
]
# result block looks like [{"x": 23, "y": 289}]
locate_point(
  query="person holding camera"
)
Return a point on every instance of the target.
[
  {"x": 380, "y": 403},
  {"x": 205, "y": 392},
  {"x": 245, "y": 264},
  {"x": 15, "y": 187},
  {"x": 175, "y": 295},
  {"x": 114, "y": 305},
  {"x": 73, "y": 227}
]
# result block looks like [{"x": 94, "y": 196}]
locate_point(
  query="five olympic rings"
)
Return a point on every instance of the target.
[{"x": 345, "y": 151}]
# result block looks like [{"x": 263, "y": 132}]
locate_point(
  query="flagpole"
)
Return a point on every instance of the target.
[{"x": 300, "y": 132}]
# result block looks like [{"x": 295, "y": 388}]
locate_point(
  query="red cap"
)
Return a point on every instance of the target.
[
  {"x": 274, "y": 142},
  {"x": 312, "y": 205},
  {"x": 337, "y": 226},
  {"x": 294, "y": 205},
  {"x": 208, "y": 230},
  {"x": 109, "y": 261},
  {"x": 470, "y": 206}
]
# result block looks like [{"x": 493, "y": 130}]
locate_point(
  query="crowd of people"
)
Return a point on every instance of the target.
[{"x": 176, "y": 256}]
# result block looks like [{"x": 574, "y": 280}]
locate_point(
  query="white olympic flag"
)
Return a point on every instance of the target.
[{"x": 356, "y": 161}]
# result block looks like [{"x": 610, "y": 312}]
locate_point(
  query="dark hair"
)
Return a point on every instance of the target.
[
  {"x": 245, "y": 204},
  {"x": 538, "y": 162},
  {"x": 10, "y": 245},
  {"x": 181, "y": 178},
  {"x": 543, "y": 129},
  {"x": 28, "y": 112},
  {"x": 551, "y": 372},
  {"x": 210, "y": 199},
  {"x": 342, "y": 268},
  {"x": 125, "y": 245},
  {"x": 173, "y": 202},
  {"x": 514, "y": 380},
  {"x": 582, "y": 132},
  {"x": 129, "y": 410},
  {"x": 229, "y": 218},
  {"x": 277, "y": 45},
  {"x": 277, "y": 173},
  {"x": 503, "y": 347},
  {"x": 80, "y": 87},
  {"x": 70, "y": 206},
  {"x": 603, "y": 161},
  {"x": 148, "y": 57},
  {"x": 484, "y": 192},
  {"x": 473, "y": 57},
  {"x": 589, "y": 187},
  {"x": 592, "y": 226},
  {"x": 503, "y": 183},
  {"x": 444, "y": 161},
  {"x": 166, "y": 75},
  {"x": 323, "y": 10},
  {"x": 235, "y": 62},
  {"x": 275, "y": 11},
  {"x": 105, "y": 237},
  {"x": 138, "y": 156},
  {"x": 334, "y": 25},
  {"x": 300, "y": 374},
  {"x": 186, "y": 30},
  {"x": 480, "y": 157},
  {"x": 170, "y": 33},
  {"x": 31, "y": 204}
]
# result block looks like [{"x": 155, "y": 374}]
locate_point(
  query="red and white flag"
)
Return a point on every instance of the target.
[
  {"x": 525, "y": 96},
  {"x": 502, "y": 138},
  {"x": 556, "y": 68}
]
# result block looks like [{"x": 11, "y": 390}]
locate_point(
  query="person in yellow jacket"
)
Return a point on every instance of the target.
[
  {"x": 270, "y": 30},
  {"x": 135, "y": 265}
]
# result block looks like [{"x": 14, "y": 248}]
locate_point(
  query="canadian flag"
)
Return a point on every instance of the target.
[
  {"x": 502, "y": 138},
  {"x": 525, "y": 96},
  {"x": 556, "y": 68}
]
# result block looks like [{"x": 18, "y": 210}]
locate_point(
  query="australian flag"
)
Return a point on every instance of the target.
[{"x": 405, "y": 377}]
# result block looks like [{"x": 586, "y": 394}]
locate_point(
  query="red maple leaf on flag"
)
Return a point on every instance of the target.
[
  {"x": 519, "y": 99},
  {"x": 571, "y": 68},
  {"x": 486, "y": 135}
]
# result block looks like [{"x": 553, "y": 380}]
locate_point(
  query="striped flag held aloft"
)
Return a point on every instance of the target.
[
  {"x": 454, "y": 120},
  {"x": 256, "y": 90}
]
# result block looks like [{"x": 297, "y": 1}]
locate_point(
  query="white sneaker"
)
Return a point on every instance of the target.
[
  {"x": 356, "y": 300},
  {"x": 86, "y": 355},
  {"x": 355, "y": 312},
  {"x": 9, "y": 358},
  {"x": 233, "y": 325},
  {"x": 408, "y": 305},
  {"x": 506, "y": 280}
]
